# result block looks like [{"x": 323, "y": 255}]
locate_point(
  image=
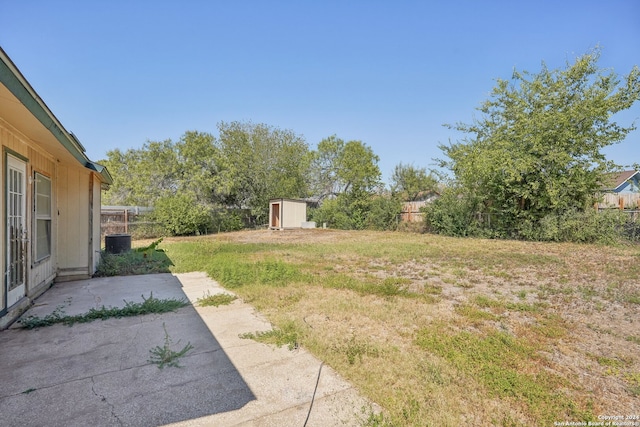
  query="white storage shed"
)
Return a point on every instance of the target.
[{"x": 287, "y": 213}]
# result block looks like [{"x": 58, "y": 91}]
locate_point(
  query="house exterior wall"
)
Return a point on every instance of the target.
[
  {"x": 39, "y": 275},
  {"x": 96, "y": 213},
  {"x": 55, "y": 234},
  {"x": 631, "y": 186},
  {"x": 74, "y": 223}
]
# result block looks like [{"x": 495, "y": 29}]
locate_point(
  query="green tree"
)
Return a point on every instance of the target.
[
  {"x": 198, "y": 166},
  {"x": 408, "y": 182},
  {"x": 142, "y": 175},
  {"x": 339, "y": 167},
  {"x": 258, "y": 163},
  {"x": 536, "y": 150},
  {"x": 344, "y": 177}
]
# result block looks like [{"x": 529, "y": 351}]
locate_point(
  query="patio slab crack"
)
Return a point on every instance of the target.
[{"x": 105, "y": 400}]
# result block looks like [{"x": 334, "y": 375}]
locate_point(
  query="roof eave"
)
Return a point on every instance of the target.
[{"x": 18, "y": 85}]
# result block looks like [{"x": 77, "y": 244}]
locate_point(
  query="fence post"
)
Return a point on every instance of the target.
[{"x": 126, "y": 221}]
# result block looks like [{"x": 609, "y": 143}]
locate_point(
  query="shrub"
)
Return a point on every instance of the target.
[
  {"x": 359, "y": 211},
  {"x": 384, "y": 213},
  {"x": 454, "y": 215},
  {"x": 450, "y": 215},
  {"x": 588, "y": 226},
  {"x": 181, "y": 214},
  {"x": 227, "y": 220}
]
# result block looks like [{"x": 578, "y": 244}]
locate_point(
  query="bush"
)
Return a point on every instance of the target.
[
  {"x": 359, "y": 212},
  {"x": 384, "y": 213},
  {"x": 453, "y": 215},
  {"x": 450, "y": 215},
  {"x": 227, "y": 220},
  {"x": 182, "y": 215},
  {"x": 588, "y": 226}
]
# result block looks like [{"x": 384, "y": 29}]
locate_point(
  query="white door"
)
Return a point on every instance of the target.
[{"x": 16, "y": 230}]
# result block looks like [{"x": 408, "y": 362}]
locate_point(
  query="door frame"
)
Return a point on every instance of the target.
[
  {"x": 276, "y": 215},
  {"x": 15, "y": 162}
]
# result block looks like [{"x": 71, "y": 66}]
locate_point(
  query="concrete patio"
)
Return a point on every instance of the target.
[{"x": 99, "y": 373}]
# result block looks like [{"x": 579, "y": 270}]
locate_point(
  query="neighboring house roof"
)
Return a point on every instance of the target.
[
  {"x": 18, "y": 85},
  {"x": 614, "y": 181},
  {"x": 425, "y": 196}
]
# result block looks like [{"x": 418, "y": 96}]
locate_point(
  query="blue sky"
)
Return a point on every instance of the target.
[{"x": 389, "y": 73}]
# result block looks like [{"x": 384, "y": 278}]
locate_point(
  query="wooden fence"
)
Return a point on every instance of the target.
[
  {"x": 411, "y": 211},
  {"x": 620, "y": 201},
  {"x": 121, "y": 219}
]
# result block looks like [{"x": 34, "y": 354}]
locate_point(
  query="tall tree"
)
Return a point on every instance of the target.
[
  {"x": 142, "y": 175},
  {"x": 198, "y": 165},
  {"x": 340, "y": 167},
  {"x": 259, "y": 162},
  {"x": 409, "y": 182},
  {"x": 537, "y": 148},
  {"x": 344, "y": 177}
]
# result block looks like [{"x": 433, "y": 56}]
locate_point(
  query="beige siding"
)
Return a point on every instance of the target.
[
  {"x": 97, "y": 204},
  {"x": 40, "y": 275},
  {"x": 294, "y": 214},
  {"x": 73, "y": 221}
]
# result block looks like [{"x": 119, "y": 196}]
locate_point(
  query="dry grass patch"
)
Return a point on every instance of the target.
[{"x": 444, "y": 331}]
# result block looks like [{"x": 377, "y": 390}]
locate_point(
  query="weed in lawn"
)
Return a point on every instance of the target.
[
  {"x": 522, "y": 294},
  {"x": 633, "y": 378},
  {"x": 216, "y": 300},
  {"x": 164, "y": 355},
  {"x": 287, "y": 335},
  {"x": 633, "y": 298},
  {"x": 354, "y": 350},
  {"x": 483, "y": 358},
  {"x": 545, "y": 291},
  {"x": 149, "y": 249},
  {"x": 473, "y": 314},
  {"x": 433, "y": 373},
  {"x": 633, "y": 339},
  {"x": 550, "y": 326},
  {"x": 149, "y": 305},
  {"x": 432, "y": 290},
  {"x": 133, "y": 262},
  {"x": 484, "y": 301},
  {"x": 390, "y": 287},
  {"x": 376, "y": 420},
  {"x": 587, "y": 292},
  {"x": 613, "y": 365},
  {"x": 233, "y": 271},
  {"x": 524, "y": 307}
]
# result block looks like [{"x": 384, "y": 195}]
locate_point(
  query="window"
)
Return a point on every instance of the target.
[{"x": 42, "y": 217}]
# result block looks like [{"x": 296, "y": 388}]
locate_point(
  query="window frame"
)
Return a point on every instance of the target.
[{"x": 38, "y": 217}]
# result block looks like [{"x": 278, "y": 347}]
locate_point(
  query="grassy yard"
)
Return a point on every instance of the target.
[{"x": 443, "y": 331}]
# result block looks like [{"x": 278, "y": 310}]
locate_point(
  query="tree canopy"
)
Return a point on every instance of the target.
[
  {"x": 345, "y": 177},
  {"x": 258, "y": 163},
  {"x": 339, "y": 167},
  {"x": 409, "y": 182},
  {"x": 537, "y": 148}
]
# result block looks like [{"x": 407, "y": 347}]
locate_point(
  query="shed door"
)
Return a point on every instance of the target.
[
  {"x": 16, "y": 230},
  {"x": 275, "y": 215}
]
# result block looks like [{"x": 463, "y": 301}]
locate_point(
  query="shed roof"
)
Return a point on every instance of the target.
[{"x": 17, "y": 85}]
